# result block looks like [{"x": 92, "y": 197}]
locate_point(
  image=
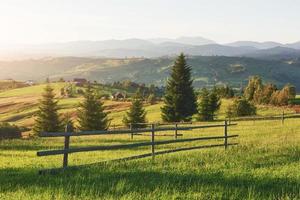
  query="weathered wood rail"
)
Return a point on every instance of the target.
[
  {"x": 281, "y": 117},
  {"x": 152, "y": 143}
]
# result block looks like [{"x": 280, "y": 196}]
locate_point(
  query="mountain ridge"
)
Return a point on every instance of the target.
[{"x": 135, "y": 47}]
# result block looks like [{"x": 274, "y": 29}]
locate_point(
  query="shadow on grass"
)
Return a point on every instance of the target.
[{"x": 102, "y": 180}]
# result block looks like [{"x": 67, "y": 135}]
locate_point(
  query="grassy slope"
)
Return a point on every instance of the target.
[{"x": 264, "y": 166}]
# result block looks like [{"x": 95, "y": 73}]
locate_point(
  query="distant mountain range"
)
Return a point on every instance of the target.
[{"x": 151, "y": 48}]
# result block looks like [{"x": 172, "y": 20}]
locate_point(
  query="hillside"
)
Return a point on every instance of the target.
[
  {"x": 18, "y": 106},
  {"x": 207, "y": 70}
]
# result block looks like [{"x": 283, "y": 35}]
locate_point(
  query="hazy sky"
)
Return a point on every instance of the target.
[{"x": 40, "y": 21}]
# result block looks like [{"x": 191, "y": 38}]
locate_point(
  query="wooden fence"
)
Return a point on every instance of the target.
[
  {"x": 281, "y": 117},
  {"x": 152, "y": 143}
]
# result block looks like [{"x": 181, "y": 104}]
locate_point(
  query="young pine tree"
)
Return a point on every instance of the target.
[
  {"x": 214, "y": 102},
  {"x": 203, "y": 106},
  {"x": 91, "y": 115},
  {"x": 47, "y": 117},
  {"x": 135, "y": 115},
  {"x": 179, "y": 100},
  {"x": 209, "y": 104}
]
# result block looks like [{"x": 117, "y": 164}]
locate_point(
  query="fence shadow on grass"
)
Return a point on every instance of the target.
[{"x": 119, "y": 180}]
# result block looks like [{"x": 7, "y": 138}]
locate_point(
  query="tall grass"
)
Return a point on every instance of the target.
[{"x": 265, "y": 165}]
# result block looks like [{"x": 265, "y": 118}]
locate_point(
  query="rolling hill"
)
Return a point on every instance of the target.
[
  {"x": 206, "y": 70},
  {"x": 276, "y": 53}
]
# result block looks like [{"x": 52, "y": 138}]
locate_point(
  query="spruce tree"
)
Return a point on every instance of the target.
[
  {"x": 203, "y": 106},
  {"x": 91, "y": 115},
  {"x": 209, "y": 104},
  {"x": 214, "y": 102},
  {"x": 136, "y": 115},
  {"x": 179, "y": 100},
  {"x": 47, "y": 117}
]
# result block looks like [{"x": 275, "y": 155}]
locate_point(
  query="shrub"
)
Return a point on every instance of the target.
[
  {"x": 241, "y": 107},
  {"x": 8, "y": 131}
]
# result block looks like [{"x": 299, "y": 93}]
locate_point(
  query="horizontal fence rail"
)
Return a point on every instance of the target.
[
  {"x": 126, "y": 131},
  {"x": 152, "y": 143},
  {"x": 126, "y": 146},
  {"x": 281, "y": 117}
]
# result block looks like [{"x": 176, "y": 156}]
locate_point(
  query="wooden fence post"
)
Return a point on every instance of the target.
[
  {"x": 176, "y": 125},
  {"x": 68, "y": 129},
  {"x": 225, "y": 135},
  {"x": 282, "y": 117},
  {"x": 152, "y": 140},
  {"x": 131, "y": 134}
]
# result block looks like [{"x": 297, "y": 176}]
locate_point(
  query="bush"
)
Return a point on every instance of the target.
[
  {"x": 241, "y": 107},
  {"x": 295, "y": 101},
  {"x": 8, "y": 131}
]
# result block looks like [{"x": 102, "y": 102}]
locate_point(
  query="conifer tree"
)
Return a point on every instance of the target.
[
  {"x": 203, "y": 107},
  {"x": 47, "y": 117},
  {"x": 209, "y": 104},
  {"x": 91, "y": 115},
  {"x": 136, "y": 114},
  {"x": 179, "y": 100}
]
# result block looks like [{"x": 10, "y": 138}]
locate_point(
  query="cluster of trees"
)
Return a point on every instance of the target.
[
  {"x": 260, "y": 93},
  {"x": 240, "y": 107},
  {"x": 70, "y": 91},
  {"x": 144, "y": 90},
  {"x": 90, "y": 113},
  {"x": 225, "y": 91}
]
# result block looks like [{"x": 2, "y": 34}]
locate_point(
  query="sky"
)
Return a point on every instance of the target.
[{"x": 48, "y": 21}]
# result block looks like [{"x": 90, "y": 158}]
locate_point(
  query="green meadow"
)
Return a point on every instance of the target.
[{"x": 265, "y": 164}]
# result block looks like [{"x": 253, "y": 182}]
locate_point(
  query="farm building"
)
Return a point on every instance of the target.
[
  {"x": 119, "y": 96},
  {"x": 30, "y": 82}
]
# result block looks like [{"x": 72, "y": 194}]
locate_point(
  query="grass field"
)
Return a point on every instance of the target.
[{"x": 265, "y": 164}]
